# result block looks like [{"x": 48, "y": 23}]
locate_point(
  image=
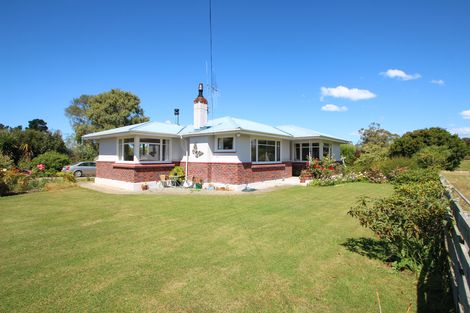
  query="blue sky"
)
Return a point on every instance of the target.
[{"x": 277, "y": 62}]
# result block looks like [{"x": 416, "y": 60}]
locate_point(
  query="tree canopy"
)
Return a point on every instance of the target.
[
  {"x": 38, "y": 124},
  {"x": 412, "y": 142},
  {"x": 115, "y": 108},
  {"x": 376, "y": 135},
  {"x": 17, "y": 143}
]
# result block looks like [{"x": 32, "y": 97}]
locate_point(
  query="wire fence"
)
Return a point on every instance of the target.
[{"x": 457, "y": 245}]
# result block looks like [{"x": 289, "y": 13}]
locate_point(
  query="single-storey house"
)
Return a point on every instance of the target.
[{"x": 226, "y": 150}]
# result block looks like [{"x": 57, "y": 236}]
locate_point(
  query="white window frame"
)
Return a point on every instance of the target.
[
  {"x": 275, "y": 151},
  {"x": 137, "y": 150},
  {"x": 330, "y": 148},
  {"x": 216, "y": 144},
  {"x": 310, "y": 150}
]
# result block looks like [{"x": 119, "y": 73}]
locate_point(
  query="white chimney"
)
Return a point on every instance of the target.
[{"x": 200, "y": 109}]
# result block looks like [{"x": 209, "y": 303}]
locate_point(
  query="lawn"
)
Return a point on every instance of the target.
[
  {"x": 282, "y": 251},
  {"x": 461, "y": 181},
  {"x": 464, "y": 165}
]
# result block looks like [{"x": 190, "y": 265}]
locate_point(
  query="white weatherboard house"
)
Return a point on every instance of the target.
[{"x": 226, "y": 150}]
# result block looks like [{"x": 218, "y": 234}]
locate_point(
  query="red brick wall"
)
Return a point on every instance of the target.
[
  {"x": 238, "y": 173},
  {"x": 134, "y": 173},
  {"x": 227, "y": 173}
]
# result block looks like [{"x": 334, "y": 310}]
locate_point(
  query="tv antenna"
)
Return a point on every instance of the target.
[{"x": 213, "y": 86}]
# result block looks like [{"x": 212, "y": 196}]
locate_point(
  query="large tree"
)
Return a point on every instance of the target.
[
  {"x": 18, "y": 144},
  {"x": 115, "y": 108},
  {"x": 38, "y": 124},
  {"x": 467, "y": 142},
  {"x": 376, "y": 135},
  {"x": 411, "y": 142}
]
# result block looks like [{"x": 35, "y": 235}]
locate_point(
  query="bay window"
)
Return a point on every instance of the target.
[
  {"x": 265, "y": 151},
  {"x": 302, "y": 151},
  {"x": 126, "y": 149},
  {"x": 326, "y": 149},
  {"x": 149, "y": 149}
]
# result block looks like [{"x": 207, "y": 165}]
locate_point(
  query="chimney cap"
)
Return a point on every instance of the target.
[{"x": 200, "y": 98}]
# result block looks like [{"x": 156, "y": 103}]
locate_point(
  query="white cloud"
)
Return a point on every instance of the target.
[
  {"x": 399, "y": 74},
  {"x": 460, "y": 130},
  {"x": 465, "y": 114},
  {"x": 439, "y": 82},
  {"x": 346, "y": 93},
  {"x": 334, "y": 108}
]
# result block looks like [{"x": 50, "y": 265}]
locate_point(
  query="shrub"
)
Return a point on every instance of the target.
[
  {"x": 337, "y": 179},
  {"x": 375, "y": 175},
  {"x": 417, "y": 176},
  {"x": 348, "y": 152},
  {"x": 411, "y": 142},
  {"x": 433, "y": 157},
  {"x": 321, "y": 168},
  {"x": 53, "y": 161},
  {"x": 410, "y": 222},
  {"x": 67, "y": 177},
  {"x": 5, "y": 162},
  {"x": 391, "y": 167},
  {"x": 12, "y": 181},
  {"x": 370, "y": 155},
  {"x": 178, "y": 171}
]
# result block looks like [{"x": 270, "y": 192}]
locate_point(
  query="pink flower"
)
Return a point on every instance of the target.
[{"x": 41, "y": 167}]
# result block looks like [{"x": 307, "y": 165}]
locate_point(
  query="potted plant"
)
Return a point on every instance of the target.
[
  {"x": 177, "y": 175},
  {"x": 197, "y": 182}
]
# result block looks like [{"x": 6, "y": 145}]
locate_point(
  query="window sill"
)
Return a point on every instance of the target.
[
  {"x": 267, "y": 165},
  {"x": 142, "y": 165},
  {"x": 225, "y": 151}
]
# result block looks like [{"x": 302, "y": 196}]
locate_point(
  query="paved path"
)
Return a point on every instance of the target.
[{"x": 259, "y": 187}]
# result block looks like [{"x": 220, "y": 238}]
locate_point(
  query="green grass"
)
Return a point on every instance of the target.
[
  {"x": 464, "y": 166},
  {"x": 282, "y": 251}
]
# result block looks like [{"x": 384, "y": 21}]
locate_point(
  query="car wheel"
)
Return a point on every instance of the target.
[{"x": 77, "y": 173}]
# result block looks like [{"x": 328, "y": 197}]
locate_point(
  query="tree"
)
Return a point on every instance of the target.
[
  {"x": 376, "y": 135},
  {"x": 115, "y": 108},
  {"x": 467, "y": 142},
  {"x": 374, "y": 145},
  {"x": 37, "y": 124},
  {"x": 26, "y": 144},
  {"x": 411, "y": 142}
]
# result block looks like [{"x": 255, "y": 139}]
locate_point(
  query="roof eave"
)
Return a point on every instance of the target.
[
  {"x": 338, "y": 140},
  {"x": 240, "y": 131},
  {"x": 128, "y": 133}
]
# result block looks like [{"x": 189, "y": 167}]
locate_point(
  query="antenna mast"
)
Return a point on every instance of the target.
[{"x": 210, "y": 60}]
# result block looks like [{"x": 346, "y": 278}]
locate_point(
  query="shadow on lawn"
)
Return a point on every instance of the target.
[{"x": 433, "y": 288}]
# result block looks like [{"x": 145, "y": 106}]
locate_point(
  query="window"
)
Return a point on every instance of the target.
[
  {"x": 315, "y": 150},
  {"x": 151, "y": 149},
  {"x": 126, "y": 149},
  {"x": 304, "y": 150},
  {"x": 265, "y": 151},
  {"x": 326, "y": 149},
  {"x": 225, "y": 144}
]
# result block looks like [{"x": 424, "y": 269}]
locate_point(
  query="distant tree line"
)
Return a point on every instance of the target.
[{"x": 87, "y": 113}]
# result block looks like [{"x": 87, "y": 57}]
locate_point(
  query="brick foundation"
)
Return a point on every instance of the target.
[
  {"x": 226, "y": 173},
  {"x": 238, "y": 173},
  {"x": 134, "y": 173}
]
